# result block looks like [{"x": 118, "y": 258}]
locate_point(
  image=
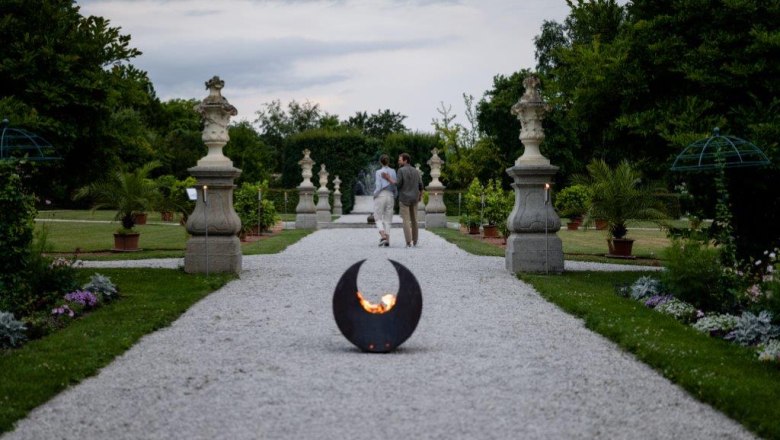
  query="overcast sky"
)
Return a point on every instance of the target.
[{"x": 346, "y": 55}]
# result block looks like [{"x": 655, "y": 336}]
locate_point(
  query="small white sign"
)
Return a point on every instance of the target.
[{"x": 192, "y": 193}]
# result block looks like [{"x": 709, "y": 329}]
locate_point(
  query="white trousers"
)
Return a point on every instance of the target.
[{"x": 383, "y": 210}]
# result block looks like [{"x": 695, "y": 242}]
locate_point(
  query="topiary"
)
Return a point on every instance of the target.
[{"x": 573, "y": 201}]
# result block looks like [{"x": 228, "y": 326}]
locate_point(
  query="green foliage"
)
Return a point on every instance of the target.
[
  {"x": 619, "y": 197},
  {"x": 573, "y": 201},
  {"x": 694, "y": 274},
  {"x": 473, "y": 199},
  {"x": 378, "y": 125},
  {"x": 72, "y": 72},
  {"x": 498, "y": 204},
  {"x": 17, "y": 217},
  {"x": 172, "y": 195},
  {"x": 246, "y": 205},
  {"x": 101, "y": 285},
  {"x": 179, "y": 145},
  {"x": 470, "y": 220},
  {"x": 754, "y": 329},
  {"x": 12, "y": 332},
  {"x": 344, "y": 154},
  {"x": 126, "y": 191},
  {"x": 417, "y": 145},
  {"x": 249, "y": 153}
]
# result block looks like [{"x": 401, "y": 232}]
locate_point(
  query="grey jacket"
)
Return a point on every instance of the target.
[{"x": 409, "y": 185}]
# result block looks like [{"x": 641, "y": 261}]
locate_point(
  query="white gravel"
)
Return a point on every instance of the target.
[{"x": 263, "y": 358}]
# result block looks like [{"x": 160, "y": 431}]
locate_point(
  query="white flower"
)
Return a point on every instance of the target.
[
  {"x": 772, "y": 256},
  {"x": 758, "y": 262}
]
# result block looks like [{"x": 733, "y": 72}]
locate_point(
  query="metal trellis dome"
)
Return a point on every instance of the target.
[
  {"x": 733, "y": 151},
  {"x": 20, "y": 143}
]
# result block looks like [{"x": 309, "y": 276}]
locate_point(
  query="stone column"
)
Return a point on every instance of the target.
[
  {"x": 337, "y": 208},
  {"x": 213, "y": 225},
  {"x": 421, "y": 205},
  {"x": 533, "y": 245},
  {"x": 435, "y": 211},
  {"x": 323, "y": 206},
  {"x": 306, "y": 214}
]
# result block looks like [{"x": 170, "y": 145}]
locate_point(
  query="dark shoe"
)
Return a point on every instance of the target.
[
  {"x": 383, "y": 242},
  {"x": 387, "y": 243}
]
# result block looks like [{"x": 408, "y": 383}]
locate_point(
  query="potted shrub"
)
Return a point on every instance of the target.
[
  {"x": 246, "y": 205},
  {"x": 128, "y": 192},
  {"x": 470, "y": 222},
  {"x": 172, "y": 197},
  {"x": 619, "y": 197},
  {"x": 572, "y": 203},
  {"x": 497, "y": 208}
]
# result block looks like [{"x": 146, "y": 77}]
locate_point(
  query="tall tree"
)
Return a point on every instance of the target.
[{"x": 69, "y": 69}]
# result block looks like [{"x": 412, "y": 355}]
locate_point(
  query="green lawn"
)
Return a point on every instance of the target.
[
  {"x": 151, "y": 299},
  {"x": 156, "y": 241},
  {"x": 725, "y": 375}
]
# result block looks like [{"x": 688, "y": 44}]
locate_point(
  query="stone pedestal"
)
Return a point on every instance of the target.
[
  {"x": 213, "y": 225},
  {"x": 337, "y": 208},
  {"x": 363, "y": 205},
  {"x": 323, "y": 205},
  {"x": 213, "y": 246},
  {"x": 533, "y": 245},
  {"x": 306, "y": 213},
  {"x": 435, "y": 211},
  {"x": 421, "y": 205}
]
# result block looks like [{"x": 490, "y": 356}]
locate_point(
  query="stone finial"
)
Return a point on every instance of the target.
[
  {"x": 336, "y": 184},
  {"x": 323, "y": 178},
  {"x": 216, "y": 112},
  {"x": 306, "y": 165},
  {"x": 530, "y": 110},
  {"x": 435, "y": 163}
]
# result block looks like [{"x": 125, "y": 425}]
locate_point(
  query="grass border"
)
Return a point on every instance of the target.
[
  {"x": 151, "y": 299},
  {"x": 724, "y": 375}
]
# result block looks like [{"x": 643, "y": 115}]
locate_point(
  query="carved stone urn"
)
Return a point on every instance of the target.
[
  {"x": 435, "y": 211},
  {"x": 214, "y": 224},
  {"x": 533, "y": 245}
]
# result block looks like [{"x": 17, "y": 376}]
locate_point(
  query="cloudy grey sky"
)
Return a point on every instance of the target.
[{"x": 346, "y": 55}]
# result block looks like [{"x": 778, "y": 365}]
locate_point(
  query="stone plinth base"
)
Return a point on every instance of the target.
[
  {"x": 323, "y": 216},
  {"x": 435, "y": 220},
  {"x": 533, "y": 253},
  {"x": 223, "y": 252},
  {"x": 306, "y": 221},
  {"x": 363, "y": 205}
]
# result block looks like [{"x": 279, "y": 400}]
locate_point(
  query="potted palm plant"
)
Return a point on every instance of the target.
[
  {"x": 619, "y": 197},
  {"x": 128, "y": 192}
]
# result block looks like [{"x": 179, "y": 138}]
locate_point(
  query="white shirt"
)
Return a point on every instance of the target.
[{"x": 381, "y": 182}]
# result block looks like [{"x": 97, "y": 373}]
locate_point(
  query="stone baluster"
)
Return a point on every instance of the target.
[
  {"x": 435, "y": 211},
  {"x": 214, "y": 224},
  {"x": 337, "y": 208},
  {"x": 421, "y": 205},
  {"x": 323, "y": 206},
  {"x": 533, "y": 244},
  {"x": 306, "y": 213}
]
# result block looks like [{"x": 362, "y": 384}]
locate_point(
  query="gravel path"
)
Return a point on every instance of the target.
[{"x": 263, "y": 358}]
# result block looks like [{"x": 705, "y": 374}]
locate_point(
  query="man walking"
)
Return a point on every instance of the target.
[{"x": 409, "y": 195}]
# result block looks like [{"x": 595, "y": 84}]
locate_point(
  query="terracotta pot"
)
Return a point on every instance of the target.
[
  {"x": 601, "y": 225},
  {"x": 573, "y": 226},
  {"x": 139, "y": 218},
  {"x": 620, "y": 247},
  {"x": 490, "y": 231},
  {"x": 166, "y": 216},
  {"x": 474, "y": 230},
  {"x": 126, "y": 242}
]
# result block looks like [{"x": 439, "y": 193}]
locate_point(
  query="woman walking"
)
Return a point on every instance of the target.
[{"x": 384, "y": 199}]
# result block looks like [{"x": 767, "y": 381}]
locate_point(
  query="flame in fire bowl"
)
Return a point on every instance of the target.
[{"x": 377, "y": 328}]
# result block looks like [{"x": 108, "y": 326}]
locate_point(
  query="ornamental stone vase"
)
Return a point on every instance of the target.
[
  {"x": 306, "y": 212},
  {"x": 214, "y": 224},
  {"x": 323, "y": 207},
  {"x": 435, "y": 211},
  {"x": 337, "y": 207},
  {"x": 533, "y": 245}
]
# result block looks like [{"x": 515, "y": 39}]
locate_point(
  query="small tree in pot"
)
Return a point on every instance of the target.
[
  {"x": 128, "y": 192},
  {"x": 572, "y": 202},
  {"x": 618, "y": 196}
]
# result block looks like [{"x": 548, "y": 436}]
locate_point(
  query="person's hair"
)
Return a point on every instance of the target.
[
  {"x": 384, "y": 159},
  {"x": 406, "y": 157}
]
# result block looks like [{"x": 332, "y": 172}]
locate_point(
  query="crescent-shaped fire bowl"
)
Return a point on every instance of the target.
[{"x": 377, "y": 332}]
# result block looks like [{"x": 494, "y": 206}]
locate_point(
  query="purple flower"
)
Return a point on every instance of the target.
[
  {"x": 63, "y": 310},
  {"x": 83, "y": 297},
  {"x": 657, "y": 300}
]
